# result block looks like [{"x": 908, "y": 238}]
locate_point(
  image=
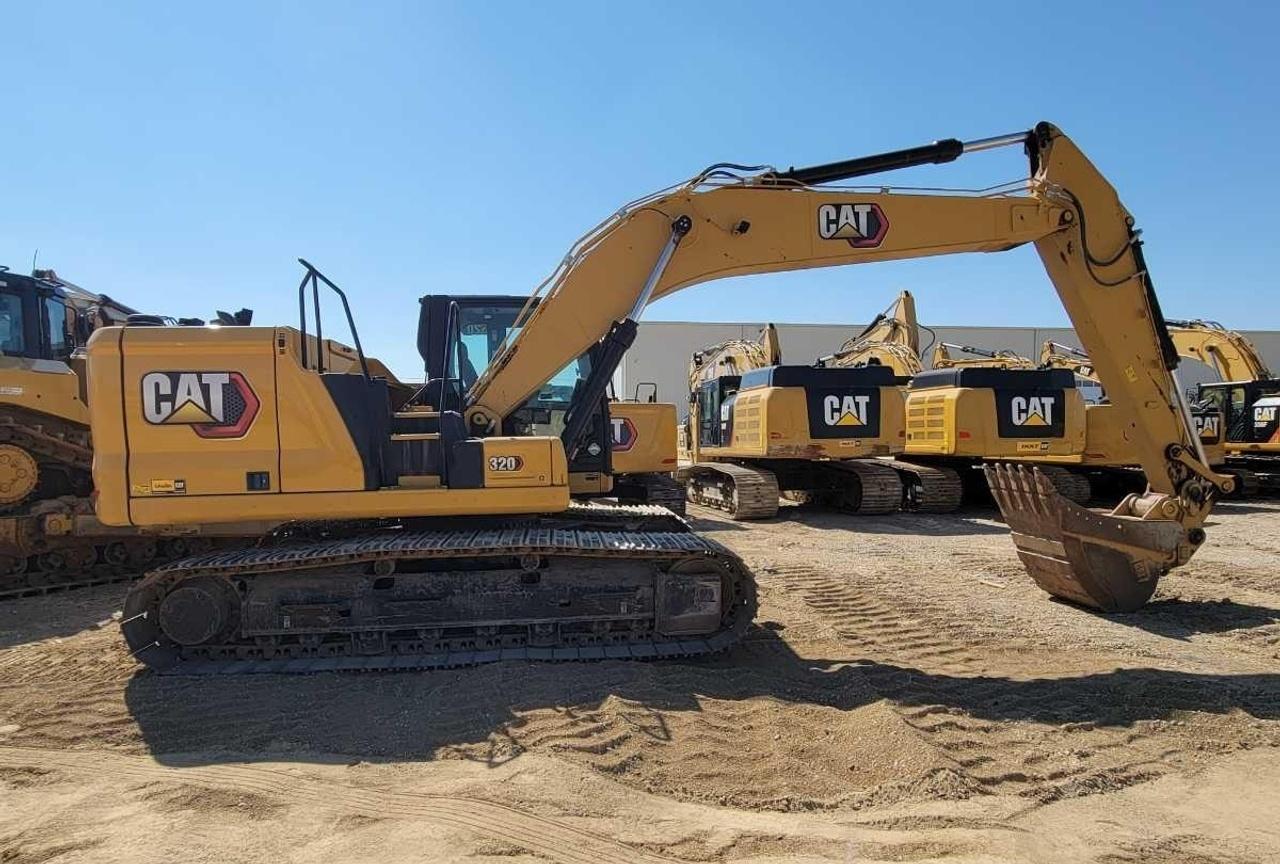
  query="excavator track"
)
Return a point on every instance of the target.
[
  {"x": 411, "y": 598},
  {"x": 929, "y": 488},
  {"x": 876, "y": 488},
  {"x": 660, "y": 490},
  {"x": 741, "y": 491},
  {"x": 1071, "y": 485}
]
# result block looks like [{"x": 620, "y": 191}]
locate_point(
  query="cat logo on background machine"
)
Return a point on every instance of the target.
[
  {"x": 1031, "y": 413},
  {"x": 213, "y": 404},
  {"x": 844, "y": 413},
  {"x": 862, "y": 225}
]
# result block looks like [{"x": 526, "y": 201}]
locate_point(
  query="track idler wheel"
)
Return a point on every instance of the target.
[
  {"x": 160, "y": 618},
  {"x": 19, "y": 474},
  {"x": 1103, "y": 561}
]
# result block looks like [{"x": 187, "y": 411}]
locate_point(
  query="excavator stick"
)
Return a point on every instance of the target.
[{"x": 1103, "y": 561}]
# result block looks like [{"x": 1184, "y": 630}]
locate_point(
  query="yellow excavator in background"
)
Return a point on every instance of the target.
[
  {"x": 984, "y": 358},
  {"x": 1247, "y": 396},
  {"x": 49, "y": 536},
  {"x": 892, "y": 339},
  {"x": 758, "y": 429},
  {"x": 432, "y": 537}
]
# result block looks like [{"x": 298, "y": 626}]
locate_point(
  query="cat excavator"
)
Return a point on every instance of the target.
[
  {"x": 428, "y": 537},
  {"x": 892, "y": 339},
  {"x": 756, "y": 432},
  {"x": 944, "y": 357},
  {"x": 810, "y": 433},
  {"x": 1247, "y": 396}
]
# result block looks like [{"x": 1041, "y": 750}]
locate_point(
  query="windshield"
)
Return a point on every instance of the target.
[{"x": 11, "y": 338}]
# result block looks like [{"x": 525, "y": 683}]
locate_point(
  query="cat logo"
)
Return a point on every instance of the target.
[
  {"x": 1208, "y": 426},
  {"x": 622, "y": 434},
  {"x": 863, "y": 226},
  {"x": 845, "y": 411},
  {"x": 213, "y": 404},
  {"x": 1031, "y": 410},
  {"x": 1265, "y": 414}
]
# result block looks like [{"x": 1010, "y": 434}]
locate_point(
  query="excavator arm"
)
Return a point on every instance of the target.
[
  {"x": 728, "y": 223},
  {"x": 1230, "y": 354},
  {"x": 892, "y": 339},
  {"x": 735, "y": 357},
  {"x": 943, "y": 358}
]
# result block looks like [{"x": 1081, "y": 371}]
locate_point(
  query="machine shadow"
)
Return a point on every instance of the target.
[
  {"x": 1181, "y": 619},
  {"x": 480, "y": 713}
]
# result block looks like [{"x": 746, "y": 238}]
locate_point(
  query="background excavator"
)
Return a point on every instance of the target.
[
  {"x": 386, "y": 568},
  {"x": 944, "y": 357},
  {"x": 809, "y": 433},
  {"x": 892, "y": 339},
  {"x": 759, "y": 429},
  {"x": 49, "y": 535},
  {"x": 1248, "y": 397}
]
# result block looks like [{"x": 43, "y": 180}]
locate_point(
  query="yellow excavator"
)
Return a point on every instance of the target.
[
  {"x": 1247, "y": 396},
  {"x": 946, "y": 356},
  {"x": 892, "y": 339},
  {"x": 760, "y": 429},
  {"x": 428, "y": 537}
]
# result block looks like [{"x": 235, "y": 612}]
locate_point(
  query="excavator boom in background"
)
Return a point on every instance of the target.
[
  {"x": 369, "y": 583},
  {"x": 892, "y": 339}
]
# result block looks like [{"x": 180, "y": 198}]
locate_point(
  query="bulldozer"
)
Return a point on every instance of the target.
[
  {"x": 428, "y": 537},
  {"x": 50, "y": 537}
]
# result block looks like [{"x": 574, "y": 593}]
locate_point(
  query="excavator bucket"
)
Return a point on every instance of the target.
[{"x": 1106, "y": 562}]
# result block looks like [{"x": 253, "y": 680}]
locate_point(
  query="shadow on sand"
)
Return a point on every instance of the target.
[{"x": 411, "y": 716}]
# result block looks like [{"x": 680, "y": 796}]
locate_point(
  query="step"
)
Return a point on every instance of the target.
[
  {"x": 426, "y": 414},
  {"x": 416, "y": 436},
  {"x": 419, "y": 481}
]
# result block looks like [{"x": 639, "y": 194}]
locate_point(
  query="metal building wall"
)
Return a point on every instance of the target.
[{"x": 662, "y": 349}]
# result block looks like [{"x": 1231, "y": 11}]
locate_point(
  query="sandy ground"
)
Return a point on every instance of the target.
[{"x": 907, "y": 695}]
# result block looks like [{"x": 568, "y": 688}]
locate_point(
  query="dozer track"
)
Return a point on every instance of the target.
[
  {"x": 1110, "y": 563},
  {"x": 740, "y": 490},
  {"x": 61, "y": 449},
  {"x": 929, "y": 488},
  {"x": 478, "y": 592}
]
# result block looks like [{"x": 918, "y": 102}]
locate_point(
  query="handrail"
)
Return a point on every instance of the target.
[{"x": 315, "y": 277}]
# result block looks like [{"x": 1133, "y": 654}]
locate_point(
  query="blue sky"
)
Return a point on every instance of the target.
[{"x": 181, "y": 157}]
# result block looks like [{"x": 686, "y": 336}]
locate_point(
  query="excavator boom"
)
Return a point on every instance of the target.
[{"x": 721, "y": 224}]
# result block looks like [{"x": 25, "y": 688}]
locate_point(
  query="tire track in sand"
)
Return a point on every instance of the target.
[
  {"x": 554, "y": 840},
  {"x": 933, "y": 670}
]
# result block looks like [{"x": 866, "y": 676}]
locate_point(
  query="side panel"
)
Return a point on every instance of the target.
[
  {"x": 316, "y": 450},
  {"x": 200, "y": 409},
  {"x": 523, "y": 463},
  {"x": 644, "y": 437},
  {"x": 47, "y": 386},
  {"x": 106, "y": 420},
  {"x": 989, "y": 423}
]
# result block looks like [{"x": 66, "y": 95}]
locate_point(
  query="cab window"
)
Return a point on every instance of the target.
[
  {"x": 11, "y": 336},
  {"x": 58, "y": 321}
]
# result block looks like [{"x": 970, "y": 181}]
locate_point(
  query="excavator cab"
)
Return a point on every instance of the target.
[
  {"x": 1251, "y": 410},
  {"x": 627, "y": 448}
]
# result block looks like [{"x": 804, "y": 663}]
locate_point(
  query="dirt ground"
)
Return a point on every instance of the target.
[{"x": 907, "y": 695}]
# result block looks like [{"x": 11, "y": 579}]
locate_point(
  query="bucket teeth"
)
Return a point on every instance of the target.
[{"x": 1106, "y": 562}]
